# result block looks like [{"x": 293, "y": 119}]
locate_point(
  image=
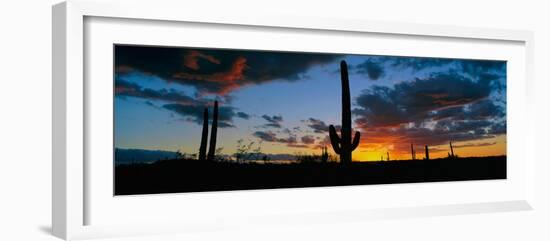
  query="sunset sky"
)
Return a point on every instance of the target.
[{"x": 287, "y": 100}]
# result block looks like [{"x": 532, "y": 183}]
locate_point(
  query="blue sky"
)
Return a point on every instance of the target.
[{"x": 286, "y": 100}]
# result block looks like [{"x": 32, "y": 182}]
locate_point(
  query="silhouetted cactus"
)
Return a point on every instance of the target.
[
  {"x": 452, "y": 151},
  {"x": 427, "y": 153},
  {"x": 388, "y": 156},
  {"x": 213, "y": 133},
  {"x": 324, "y": 154},
  {"x": 204, "y": 137},
  {"x": 344, "y": 146},
  {"x": 413, "y": 153}
]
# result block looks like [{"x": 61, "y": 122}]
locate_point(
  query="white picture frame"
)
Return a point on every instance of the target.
[{"x": 72, "y": 190}]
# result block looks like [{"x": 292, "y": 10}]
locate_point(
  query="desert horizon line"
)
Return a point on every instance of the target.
[{"x": 318, "y": 152}]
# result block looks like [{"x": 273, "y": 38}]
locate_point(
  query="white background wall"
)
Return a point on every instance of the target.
[{"x": 25, "y": 119}]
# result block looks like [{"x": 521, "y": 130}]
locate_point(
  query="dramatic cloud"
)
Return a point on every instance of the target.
[
  {"x": 318, "y": 126},
  {"x": 269, "y": 136},
  {"x": 374, "y": 70},
  {"x": 191, "y": 60},
  {"x": 189, "y": 108},
  {"x": 194, "y": 113},
  {"x": 483, "y": 67},
  {"x": 480, "y": 110},
  {"x": 429, "y": 111},
  {"x": 287, "y": 131},
  {"x": 497, "y": 129},
  {"x": 412, "y": 101},
  {"x": 375, "y": 67},
  {"x": 290, "y": 141},
  {"x": 243, "y": 115},
  {"x": 273, "y": 121},
  {"x": 216, "y": 71},
  {"x": 124, "y": 88},
  {"x": 400, "y": 138},
  {"x": 415, "y": 64}
]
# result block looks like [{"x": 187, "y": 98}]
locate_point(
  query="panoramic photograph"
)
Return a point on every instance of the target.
[{"x": 190, "y": 119}]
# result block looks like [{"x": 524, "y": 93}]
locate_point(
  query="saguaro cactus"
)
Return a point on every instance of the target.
[
  {"x": 324, "y": 154},
  {"x": 413, "y": 153},
  {"x": 213, "y": 133},
  {"x": 452, "y": 151},
  {"x": 427, "y": 153},
  {"x": 204, "y": 137},
  {"x": 344, "y": 145}
]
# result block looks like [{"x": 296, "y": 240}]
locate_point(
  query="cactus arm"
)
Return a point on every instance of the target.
[
  {"x": 356, "y": 140},
  {"x": 334, "y": 139},
  {"x": 332, "y": 132}
]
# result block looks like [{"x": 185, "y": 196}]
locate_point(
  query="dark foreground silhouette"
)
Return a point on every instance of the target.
[{"x": 174, "y": 176}]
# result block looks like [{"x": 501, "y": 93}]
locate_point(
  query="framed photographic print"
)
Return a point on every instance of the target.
[
  {"x": 168, "y": 123},
  {"x": 195, "y": 119}
]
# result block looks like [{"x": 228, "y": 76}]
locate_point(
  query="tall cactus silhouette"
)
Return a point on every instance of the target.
[
  {"x": 213, "y": 133},
  {"x": 344, "y": 145},
  {"x": 413, "y": 153},
  {"x": 324, "y": 155},
  {"x": 452, "y": 151},
  {"x": 427, "y": 153},
  {"x": 204, "y": 137}
]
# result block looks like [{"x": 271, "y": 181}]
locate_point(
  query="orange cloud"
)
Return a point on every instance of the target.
[
  {"x": 229, "y": 78},
  {"x": 191, "y": 60}
]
